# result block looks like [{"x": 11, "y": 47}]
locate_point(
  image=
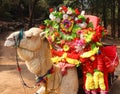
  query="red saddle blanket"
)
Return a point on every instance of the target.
[{"x": 111, "y": 53}]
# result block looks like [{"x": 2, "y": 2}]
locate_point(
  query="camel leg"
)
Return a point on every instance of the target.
[
  {"x": 69, "y": 83},
  {"x": 41, "y": 90},
  {"x": 115, "y": 88}
]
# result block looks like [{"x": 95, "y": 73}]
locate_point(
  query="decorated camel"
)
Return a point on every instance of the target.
[
  {"x": 34, "y": 49},
  {"x": 74, "y": 40}
]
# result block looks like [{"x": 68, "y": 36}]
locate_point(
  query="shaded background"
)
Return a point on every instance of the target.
[{"x": 28, "y": 13}]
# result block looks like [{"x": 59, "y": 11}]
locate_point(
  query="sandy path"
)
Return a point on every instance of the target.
[{"x": 9, "y": 78}]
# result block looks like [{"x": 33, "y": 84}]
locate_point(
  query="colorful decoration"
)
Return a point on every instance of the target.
[{"x": 75, "y": 39}]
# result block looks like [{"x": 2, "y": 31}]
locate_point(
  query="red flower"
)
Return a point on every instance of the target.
[
  {"x": 51, "y": 10},
  {"x": 80, "y": 21},
  {"x": 73, "y": 55},
  {"x": 42, "y": 27},
  {"x": 77, "y": 11},
  {"x": 64, "y": 8},
  {"x": 56, "y": 53},
  {"x": 87, "y": 20}
]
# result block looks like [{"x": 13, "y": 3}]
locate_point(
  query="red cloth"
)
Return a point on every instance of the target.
[
  {"x": 94, "y": 19},
  {"x": 110, "y": 57}
]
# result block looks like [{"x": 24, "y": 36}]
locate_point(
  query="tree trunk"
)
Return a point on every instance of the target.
[
  {"x": 104, "y": 13},
  {"x": 118, "y": 18},
  {"x": 20, "y": 10},
  {"x": 32, "y": 4},
  {"x": 82, "y": 5},
  {"x": 113, "y": 19}
]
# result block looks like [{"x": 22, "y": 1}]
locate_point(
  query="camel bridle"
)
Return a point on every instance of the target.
[
  {"x": 40, "y": 78},
  {"x": 17, "y": 43}
]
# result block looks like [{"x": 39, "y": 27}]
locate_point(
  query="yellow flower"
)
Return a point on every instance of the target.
[
  {"x": 90, "y": 53},
  {"x": 89, "y": 84},
  {"x": 99, "y": 80},
  {"x": 56, "y": 59},
  {"x": 72, "y": 61},
  {"x": 66, "y": 47}
]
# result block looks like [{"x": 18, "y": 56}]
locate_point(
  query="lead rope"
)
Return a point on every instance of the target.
[
  {"x": 18, "y": 66},
  {"x": 20, "y": 75}
]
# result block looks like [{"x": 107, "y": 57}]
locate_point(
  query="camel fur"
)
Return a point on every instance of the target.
[{"x": 35, "y": 51}]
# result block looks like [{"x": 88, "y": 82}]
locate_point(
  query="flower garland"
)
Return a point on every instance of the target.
[
  {"x": 69, "y": 32},
  {"x": 75, "y": 39}
]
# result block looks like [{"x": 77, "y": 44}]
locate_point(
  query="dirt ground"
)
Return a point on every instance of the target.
[{"x": 9, "y": 78}]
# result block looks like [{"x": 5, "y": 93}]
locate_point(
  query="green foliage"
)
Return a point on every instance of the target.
[
  {"x": 54, "y": 3},
  {"x": 10, "y": 9}
]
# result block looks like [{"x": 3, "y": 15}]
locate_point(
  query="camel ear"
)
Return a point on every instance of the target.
[
  {"x": 28, "y": 34},
  {"x": 42, "y": 35}
]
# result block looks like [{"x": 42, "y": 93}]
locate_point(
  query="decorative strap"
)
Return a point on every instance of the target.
[
  {"x": 20, "y": 36},
  {"x": 43, "y": 78}
]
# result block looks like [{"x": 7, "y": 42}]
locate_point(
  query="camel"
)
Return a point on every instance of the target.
[{"x": 34, "y": 49}]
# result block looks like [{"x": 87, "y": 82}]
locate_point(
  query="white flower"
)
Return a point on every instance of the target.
[
  {"x": 52, "y": 17},
  {"x": 69, "y": 11},
  {"x": 83, "y": 25},
  {"x": 76, "y": 18},
  {"x": 81, "y": 36},
  {"x": 78, "y": 48},
  {"x": 57, "y": 20},
  {"x": 60, "y": 8},
  {"x": 65, "y": 16},
  {"x": 83, "y": 13}
]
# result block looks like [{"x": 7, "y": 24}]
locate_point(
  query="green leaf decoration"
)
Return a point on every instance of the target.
[
  {"x": 55, "y": 25},
  {"x": 73, "y": 35},
  {"x": 76, "y": 28},
  {"x": 93, "y": 46},
  {"x": 47, "y": 22},
  {"x": 82, "y": 17},
  {"x": 90, "y": 25},
  {"x": 89, "y": 36},
  {"x": 103, "y": 33},
  {"x": 98, "y": 43},
  {"x": 57, "y": 14}
]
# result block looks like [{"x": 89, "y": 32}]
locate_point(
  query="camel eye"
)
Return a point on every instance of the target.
[{"x": 29, "y": 37}]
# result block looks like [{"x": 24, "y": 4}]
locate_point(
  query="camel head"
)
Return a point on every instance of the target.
[{"x": 30, "y": 39}]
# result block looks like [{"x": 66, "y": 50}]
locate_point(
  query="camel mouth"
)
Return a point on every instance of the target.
[{"x": 9, "y": 43}]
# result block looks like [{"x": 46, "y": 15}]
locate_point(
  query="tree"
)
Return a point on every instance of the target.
[
  {"x": 32, "y": 4},
  {"x": 113, "y": 18},
  {"x": 105, "y": 13},
  {"x": 118, "y": 18}
]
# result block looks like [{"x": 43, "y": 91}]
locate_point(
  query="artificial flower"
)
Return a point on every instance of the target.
[
  {"x": 75, "y": 39},
  {"x": 64, "y": 8},
  {"x": 77, "y": 11},
  {"x": 65, "y": 16},
  {"x": 90, "y": 53},
  {"x": 51, "y": 10},
  {"x": 83, "y": 24},
  {"x": 66, "y": 47},
  {"x": 52, "y": 17},
  {"x": 70, "y": 11}
]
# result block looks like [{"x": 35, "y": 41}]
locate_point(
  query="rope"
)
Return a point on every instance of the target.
[
  {"x": 17, "y": 42},
  {"x": 20, "y": 74}
]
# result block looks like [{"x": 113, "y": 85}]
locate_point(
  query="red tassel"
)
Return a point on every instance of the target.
[{"x": 19, "y": 69}]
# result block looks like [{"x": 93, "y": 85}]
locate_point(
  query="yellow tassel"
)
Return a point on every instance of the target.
[
  {"x": 101, "y": 81},
  {"x": 95, "y": 77},
  {"x": 89, "y": 83}
]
